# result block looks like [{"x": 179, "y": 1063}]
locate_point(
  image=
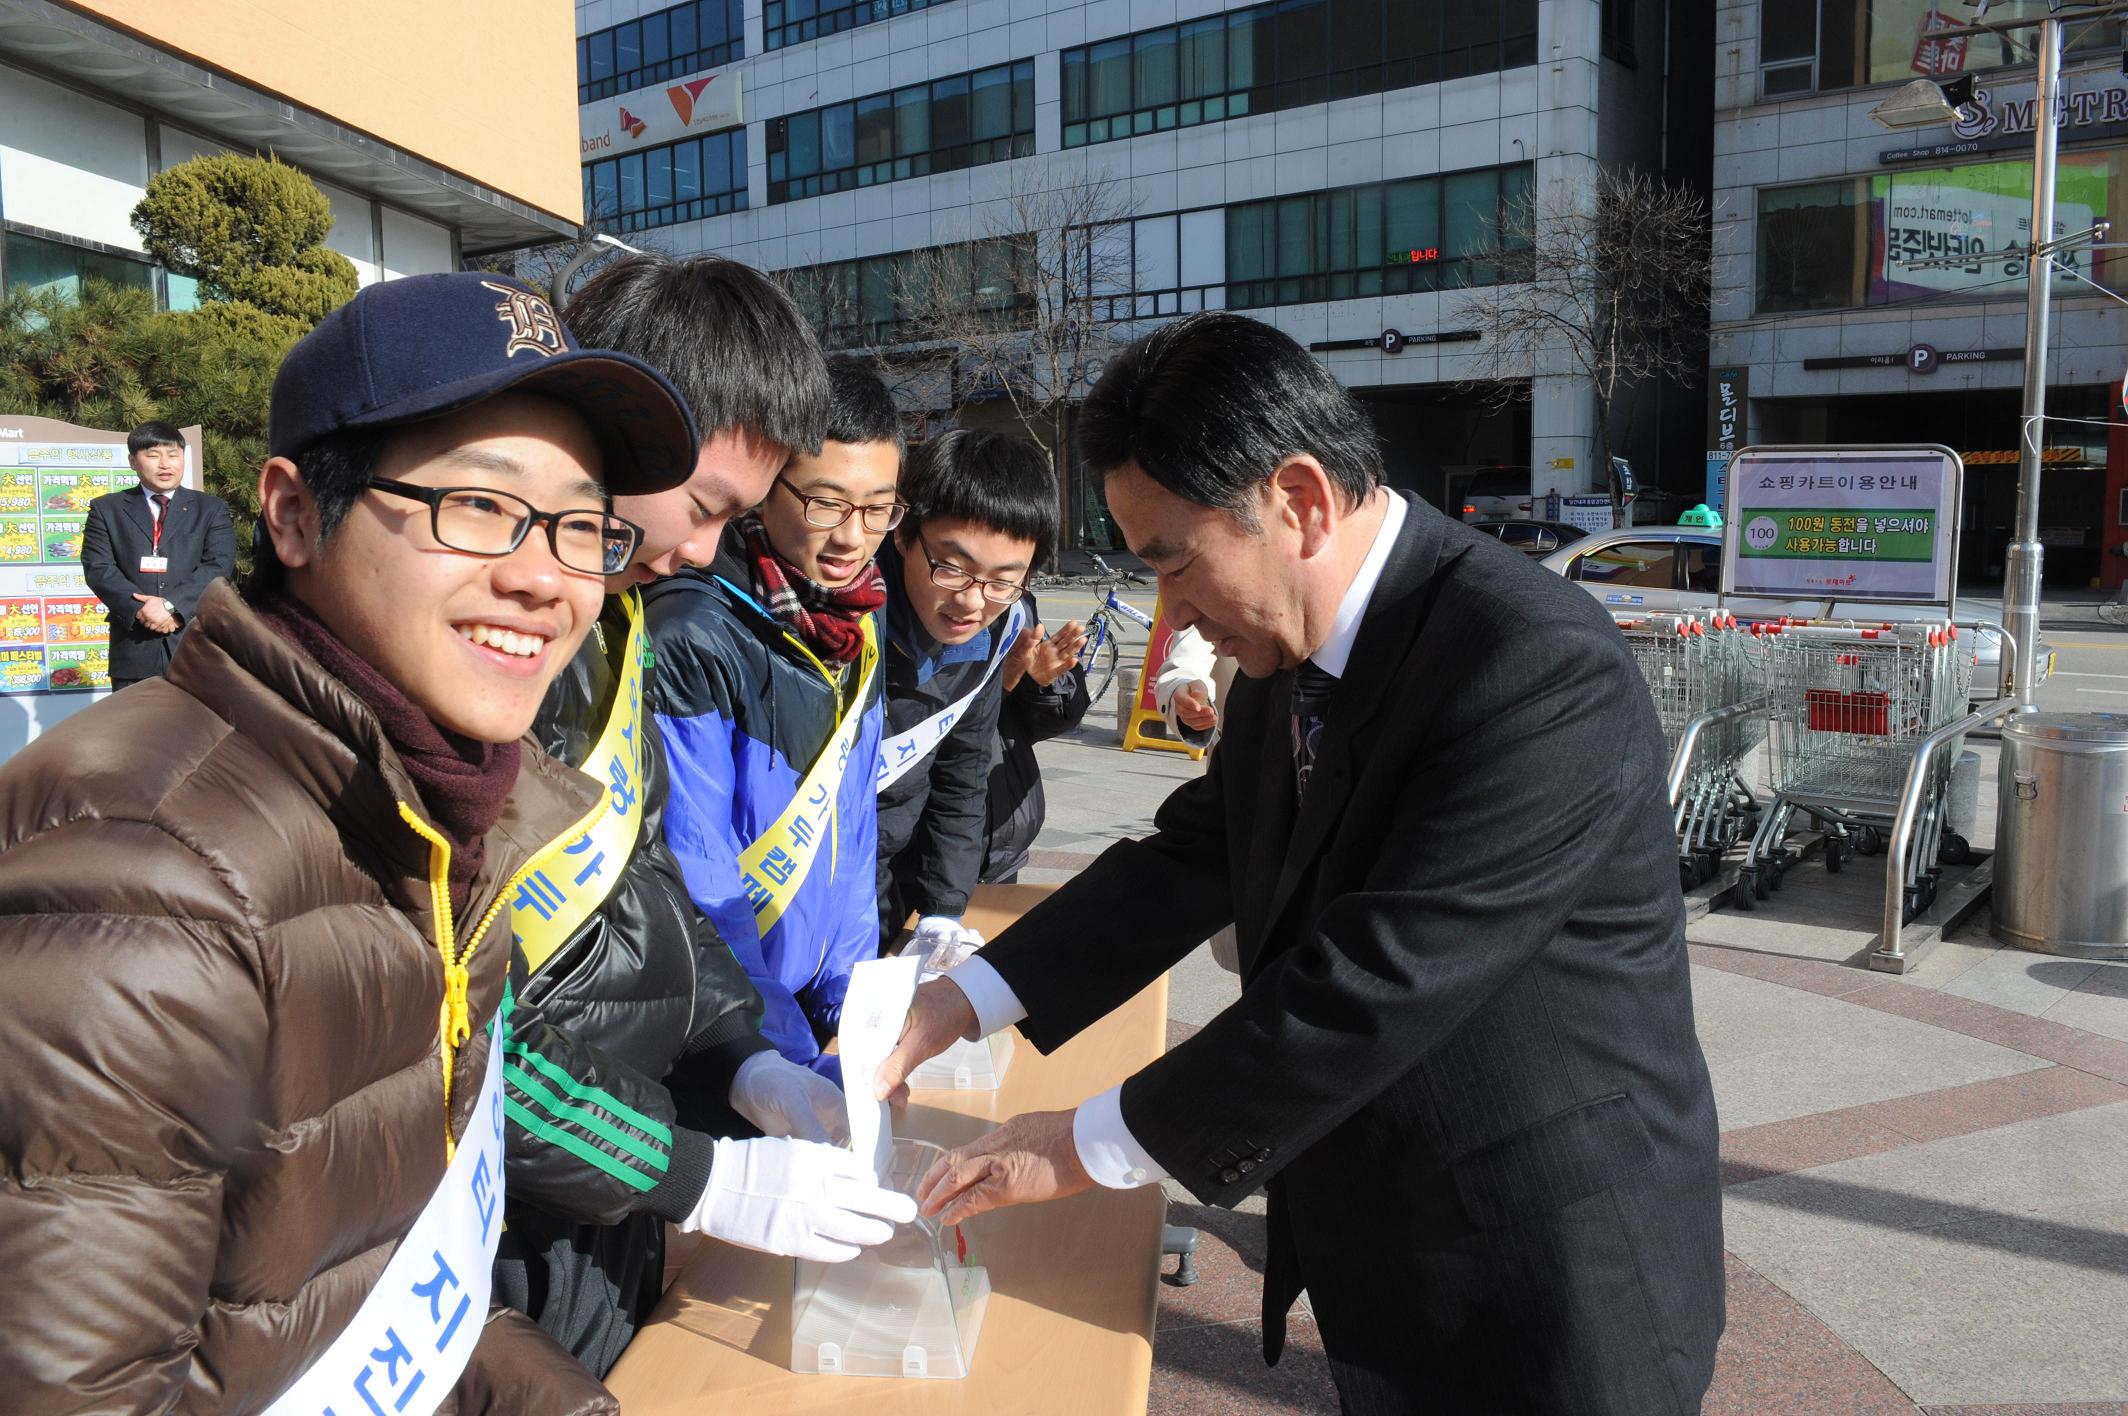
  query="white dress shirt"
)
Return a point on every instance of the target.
[{"x": 1111, "y": 1155}]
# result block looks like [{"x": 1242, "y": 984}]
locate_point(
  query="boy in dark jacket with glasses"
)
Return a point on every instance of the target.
[{"x": 982, "y": 516}]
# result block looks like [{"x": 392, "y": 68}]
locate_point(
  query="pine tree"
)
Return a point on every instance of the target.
[{"x": 252, "y": 231}]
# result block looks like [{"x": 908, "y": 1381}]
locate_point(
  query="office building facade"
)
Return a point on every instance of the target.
[
  {"x": 1332, "y": 166},
  {"x": 1870, "y": 286}
]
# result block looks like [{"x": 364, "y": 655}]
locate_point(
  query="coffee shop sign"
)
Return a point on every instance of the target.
[{"x": 1993, "y": 114}]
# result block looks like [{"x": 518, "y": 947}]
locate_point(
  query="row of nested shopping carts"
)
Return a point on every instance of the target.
[{"x": 1841, "y": 708}]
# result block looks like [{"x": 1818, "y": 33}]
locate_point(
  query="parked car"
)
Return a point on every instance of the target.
[
  {"x": 1532, "y": 538},
  {"x": 1680, "y": 568},
  {"x": 1497, "y": 494}
]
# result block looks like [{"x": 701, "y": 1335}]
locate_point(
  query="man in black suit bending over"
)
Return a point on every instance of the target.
[
  {"x": 1463, "y": 1061},
  {"x": 150, "y": 552}
]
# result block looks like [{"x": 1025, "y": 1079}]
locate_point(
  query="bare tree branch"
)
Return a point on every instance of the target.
[
  {"x": 1027, "y": 306},
  {"x": 1613, "y": 288},
  {"x": 833, "y": 300}
]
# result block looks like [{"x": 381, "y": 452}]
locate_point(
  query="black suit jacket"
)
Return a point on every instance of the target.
[
  {"x": 199, "y": 542},
  {"x": 1464, "y": 1056}
]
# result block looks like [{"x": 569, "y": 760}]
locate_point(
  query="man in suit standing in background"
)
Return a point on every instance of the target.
[
  {"x": 149, "y": 553},
  {"x": 1463, "y": 1060}
]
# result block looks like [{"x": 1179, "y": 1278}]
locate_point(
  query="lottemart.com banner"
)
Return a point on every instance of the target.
[
  {"x": 54, "y": 635},
  {"x": 1971, "y": 211}
]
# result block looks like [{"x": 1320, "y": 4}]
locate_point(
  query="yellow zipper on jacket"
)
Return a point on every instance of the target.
[
  {"x": 834, "y": 684},
  {"x": 455, "y": 1023}
]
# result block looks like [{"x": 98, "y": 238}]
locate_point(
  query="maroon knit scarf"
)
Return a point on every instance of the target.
[
  {"x": 463, "y": 783},
  {"x": 830, "y": 621}
]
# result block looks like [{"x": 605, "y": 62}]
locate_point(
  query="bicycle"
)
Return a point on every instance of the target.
[{"x": 1102, "y": 651}]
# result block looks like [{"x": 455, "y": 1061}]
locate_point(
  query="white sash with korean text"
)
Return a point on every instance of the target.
[
  {"x": 413, "y": 1334},
  {"x": 904, "y": 752}
]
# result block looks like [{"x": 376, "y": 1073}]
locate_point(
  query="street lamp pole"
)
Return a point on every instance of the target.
[{"x": 2021, "y": 567}]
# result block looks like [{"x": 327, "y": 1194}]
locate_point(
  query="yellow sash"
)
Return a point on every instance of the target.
[
  {"x": 553, "y": 902},
  {"x": 775, "y": 865}
]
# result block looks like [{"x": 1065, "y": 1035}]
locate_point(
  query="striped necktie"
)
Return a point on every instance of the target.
[{"x": 1312, "y": 687}]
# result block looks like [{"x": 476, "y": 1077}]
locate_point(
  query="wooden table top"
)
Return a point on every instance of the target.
[{"x": 1073, "y": 1283}]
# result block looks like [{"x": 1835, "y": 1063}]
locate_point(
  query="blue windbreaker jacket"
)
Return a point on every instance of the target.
[{"x": 745, "y": 708}]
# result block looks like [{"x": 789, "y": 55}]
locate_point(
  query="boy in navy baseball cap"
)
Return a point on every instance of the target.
[{"x": 241, "y": 1068}]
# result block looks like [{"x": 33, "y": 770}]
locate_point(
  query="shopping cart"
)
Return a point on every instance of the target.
[
  {"x": 1707, "y": 677},
  {"x": 1850, "y": 705}
]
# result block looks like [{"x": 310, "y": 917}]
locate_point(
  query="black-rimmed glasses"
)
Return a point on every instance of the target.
[
  {"x": 830, "y": 512},
  {"x": 952, "y": 577},
  {"x": 480, "y": 521}
]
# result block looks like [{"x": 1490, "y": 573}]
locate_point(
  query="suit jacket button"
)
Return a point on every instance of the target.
[
  {"x": 1264, "y": 1154},
  {"x": 1228, "y": 1177},
  {"x": 1246, "y": 1166}
]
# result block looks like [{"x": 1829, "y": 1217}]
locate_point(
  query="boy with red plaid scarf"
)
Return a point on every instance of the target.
[{"x": 768, "y": 694}]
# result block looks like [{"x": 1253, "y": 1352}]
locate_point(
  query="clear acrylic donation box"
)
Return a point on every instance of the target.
[{"x": 910, "y": 1307}]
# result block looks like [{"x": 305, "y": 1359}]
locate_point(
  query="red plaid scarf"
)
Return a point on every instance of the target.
[{"x": 831, "y": 622}]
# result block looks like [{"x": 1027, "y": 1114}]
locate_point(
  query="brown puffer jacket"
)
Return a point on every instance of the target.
[{"x": 221, "y": 1097}]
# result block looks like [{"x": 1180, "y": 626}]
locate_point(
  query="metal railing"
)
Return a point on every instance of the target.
[
  {"x": 1890, "y": 954},
  {"x": 1688, "y": 740}
]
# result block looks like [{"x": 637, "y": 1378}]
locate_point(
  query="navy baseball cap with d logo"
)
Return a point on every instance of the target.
[{"x": 427, "y": 345}]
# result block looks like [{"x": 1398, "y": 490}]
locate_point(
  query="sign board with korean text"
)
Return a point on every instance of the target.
[
  {"x": 54, "y": 638},
  {"x": 1728, "y": 396},
  {"x": 1974, "y": 210},
  {"x": 1860, "y": 523},
  {"x": 1591, "y": 514}
]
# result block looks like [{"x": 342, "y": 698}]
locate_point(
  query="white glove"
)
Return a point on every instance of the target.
[
  {"x": 944, "y": 942},
  {"x": 785, "y": 1099},
  {"x": 798, "y": 1198},
  {"x": 932, "y": 929}
]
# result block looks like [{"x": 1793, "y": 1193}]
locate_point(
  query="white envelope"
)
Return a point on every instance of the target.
[{"x": 873, "y": 1011}]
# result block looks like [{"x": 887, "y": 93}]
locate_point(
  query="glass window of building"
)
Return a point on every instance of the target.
[
  {"x": 1618, "y": 21},
  {"x": 1385, "y": 238},
  {"x": 787, "y": 22},
  {"x": 1851, "y": 242},
  {"x": 942, "y": 126},
  {"x": 1283, "y": 55},
  {"x": 663, "y": 45},
  {"x": 683, "y": 181},
  {"x": 874, "y": 302},
  {"x": 1171, "y": 264},
  {"x": 55, "y": 266},
  {"x": 1808, "y": 45}
]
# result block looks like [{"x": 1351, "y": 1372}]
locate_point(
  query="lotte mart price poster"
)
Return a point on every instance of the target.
[
  {"x": 1842, "y": 525},
  {"x": 54, "y": 634}
]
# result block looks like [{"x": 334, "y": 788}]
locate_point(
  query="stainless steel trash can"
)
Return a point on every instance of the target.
[{"x": 2061, "y": 861}]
